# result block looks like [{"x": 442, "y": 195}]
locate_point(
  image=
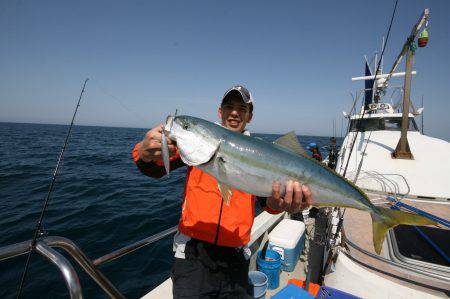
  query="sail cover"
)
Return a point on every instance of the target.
[{"x": 368, "y": 85}]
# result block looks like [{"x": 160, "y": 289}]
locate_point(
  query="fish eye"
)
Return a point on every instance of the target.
[{"x": 185, "y": 126}]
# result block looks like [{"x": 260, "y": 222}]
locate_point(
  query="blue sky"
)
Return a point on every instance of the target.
[{"x": 147, "y": 58}]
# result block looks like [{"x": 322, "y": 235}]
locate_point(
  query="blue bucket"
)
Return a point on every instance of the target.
[
  {"x": 258, "y": 282},
  {"x": 270, "y": 266}
]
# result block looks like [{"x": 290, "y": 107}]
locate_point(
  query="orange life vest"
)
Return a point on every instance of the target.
[{"x": 207, "y": 217}]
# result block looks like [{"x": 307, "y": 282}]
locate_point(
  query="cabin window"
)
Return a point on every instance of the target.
[
  {"x": 395, "y": 124},
  {"x": 423, "y": 244},
  {"x": 380, "y": 124},
  {"x": 368, "y": 124}
]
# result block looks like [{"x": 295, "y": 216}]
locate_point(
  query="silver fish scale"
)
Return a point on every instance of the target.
[{"x": 252, "y": 165}]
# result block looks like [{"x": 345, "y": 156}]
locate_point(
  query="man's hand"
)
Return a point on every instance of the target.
[
  {"x": 150, "y": 149},
  {"x": 296, "y": 198}
]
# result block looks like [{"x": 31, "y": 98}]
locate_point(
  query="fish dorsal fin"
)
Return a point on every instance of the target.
[{"x": 290, "y": 142}]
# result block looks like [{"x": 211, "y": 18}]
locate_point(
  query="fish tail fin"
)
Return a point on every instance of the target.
[{"x": 386, "y": 219}]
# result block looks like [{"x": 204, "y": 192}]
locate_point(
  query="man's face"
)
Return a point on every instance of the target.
[{"x": 235, "y": 114}]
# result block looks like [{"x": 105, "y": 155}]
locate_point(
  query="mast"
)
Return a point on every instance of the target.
[
  {"x": 423, "y": 19},
  {"x": 402, "y": 151}
]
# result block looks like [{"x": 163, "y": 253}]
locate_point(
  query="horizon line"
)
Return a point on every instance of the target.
[{"x": 119, "y": 127}]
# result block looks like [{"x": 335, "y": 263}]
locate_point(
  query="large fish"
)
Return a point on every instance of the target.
[{"x": 251, "y": 165}]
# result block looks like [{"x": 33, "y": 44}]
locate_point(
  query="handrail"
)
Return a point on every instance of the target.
[
  {"x": 132, "y": 247},
  {"x": 64, "y": 266},
  {"x": 44, "y": 247},
  {"x": 73, "y": 250},
  {"x": 14, "y": 250},
  {"x": 88, "y": 266}
]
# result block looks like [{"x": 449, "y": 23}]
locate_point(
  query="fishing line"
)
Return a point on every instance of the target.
[
  {"x": 38, "y": 231},
  {"x": 119, "y": 101},
  {"x": 347, "y": 130}
]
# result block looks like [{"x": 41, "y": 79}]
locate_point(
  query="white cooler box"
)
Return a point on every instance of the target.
[{"x": 288, "y": 239}]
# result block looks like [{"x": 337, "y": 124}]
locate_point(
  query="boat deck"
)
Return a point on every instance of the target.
[{"x": 358, "y": 229}]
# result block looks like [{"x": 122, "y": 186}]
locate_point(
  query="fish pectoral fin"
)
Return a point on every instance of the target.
[
  {"x": 290, "y": 142},
  {"x": 387, "y": 219},
  {"x": 225, "y": 192}
]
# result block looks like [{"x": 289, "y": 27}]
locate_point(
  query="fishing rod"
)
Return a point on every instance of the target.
[{"x": 38, "y": 231}]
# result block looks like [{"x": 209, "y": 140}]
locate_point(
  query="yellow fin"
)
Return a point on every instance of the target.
[
  {"x": 290, "y": 142},
  {"x": 225, "y": 192},
  {"x": 386, "y": 219}
]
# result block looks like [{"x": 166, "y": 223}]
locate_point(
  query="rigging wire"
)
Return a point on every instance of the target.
[
  {"x": 38, "y": 231},
  {"x": 341, "y": 216},
  {"x": 362, "y": 158},
  {"x": 373, "y": 87}
]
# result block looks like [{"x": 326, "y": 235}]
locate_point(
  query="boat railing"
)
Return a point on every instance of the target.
[
  {"x": 44, "y": 247},
  {"x": 132, "y": 247}
]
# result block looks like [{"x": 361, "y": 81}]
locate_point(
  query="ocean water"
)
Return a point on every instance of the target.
[{"x": 100, "y": 201}]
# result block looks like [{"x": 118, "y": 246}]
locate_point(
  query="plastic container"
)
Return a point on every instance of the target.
[
  {"x": 288, "y": 239},
  {"x": 313, "y": 287},
  {"x": 291, "y": 291},
  {"x": 271, "y": 267},
  {"x": 258, "y": 281},
  {"x": 331, "y": 293}
]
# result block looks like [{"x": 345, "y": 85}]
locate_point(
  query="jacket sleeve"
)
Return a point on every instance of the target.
[
  {"x": 263, "y": 202},
  {"x": 155, "y": 169}
]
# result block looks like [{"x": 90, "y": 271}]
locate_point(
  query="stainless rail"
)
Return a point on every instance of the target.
[
  {"x": 132, "y": 247},
  {"x": 44, "y": 247},
  {"x": 66, "y": 269},
  {"x": 73, "y": 250},
  {"x": 14, "y": 250}
]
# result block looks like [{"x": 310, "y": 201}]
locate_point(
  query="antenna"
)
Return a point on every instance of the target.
[
  {"x": 382, "y": 58},
  {"x": 421, "y": 116},
  {"x": 376, "y": 68}
]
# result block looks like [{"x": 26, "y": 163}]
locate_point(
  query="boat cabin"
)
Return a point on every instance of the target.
[{"x": 380, "y": 117}]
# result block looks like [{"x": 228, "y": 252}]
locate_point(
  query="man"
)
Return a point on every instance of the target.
[
  {"x": 211, "y": 257},
  {"x": 332, "y": 153},
  {"x": 315, "y": 151}
]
